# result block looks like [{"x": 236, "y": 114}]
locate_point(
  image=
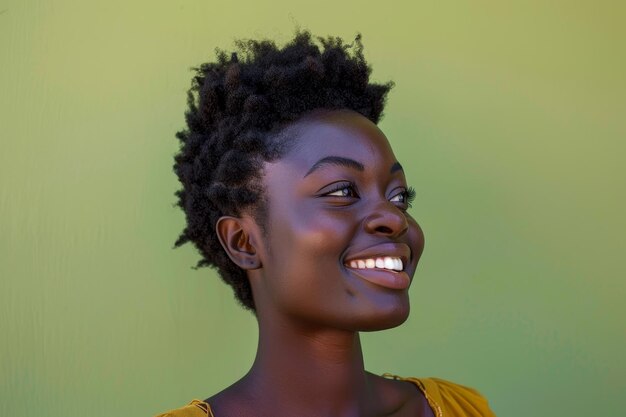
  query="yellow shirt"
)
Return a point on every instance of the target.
[{"x": 446, "y": 399}]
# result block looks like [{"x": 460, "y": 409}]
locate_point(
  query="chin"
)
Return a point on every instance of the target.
[{"x": 385, "y": 317}]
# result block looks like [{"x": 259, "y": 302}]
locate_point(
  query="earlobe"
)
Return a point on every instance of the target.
[{"x": 235, "y": 236}]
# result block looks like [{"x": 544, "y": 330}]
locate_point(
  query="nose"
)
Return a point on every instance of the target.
[{"x": 386, "y": 219}]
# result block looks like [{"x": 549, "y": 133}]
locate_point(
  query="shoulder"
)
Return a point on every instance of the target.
[
  {"x": 453, "y": 399},
  {"x": 195, "y": 408},
  {"x": 459, "y": 397}
]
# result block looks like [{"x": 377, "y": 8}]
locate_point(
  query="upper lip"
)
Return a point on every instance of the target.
[{"x": 397, "y": 250}]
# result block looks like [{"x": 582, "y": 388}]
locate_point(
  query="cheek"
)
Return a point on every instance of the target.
[
  {"x": 305, "y": 255},
  {"x": 309, "y": 233},
  {"x": 416, "y": 239}
]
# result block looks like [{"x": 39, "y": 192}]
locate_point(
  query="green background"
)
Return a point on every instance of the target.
[{"x": 507, "y": 116}]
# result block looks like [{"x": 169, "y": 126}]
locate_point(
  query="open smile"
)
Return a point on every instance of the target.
[
  {"x": 391, "y": 263},
  {"x": 395, "y": 280},
  {"x": 382, "y": 264}
]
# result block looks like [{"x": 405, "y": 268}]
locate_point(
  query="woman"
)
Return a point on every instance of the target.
[{"x": 293, "y": 193}]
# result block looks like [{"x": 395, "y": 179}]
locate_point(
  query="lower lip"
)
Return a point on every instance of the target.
[{"x": 384, "y": 278}]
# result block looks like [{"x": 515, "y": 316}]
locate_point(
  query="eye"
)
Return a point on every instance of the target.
[
  {"x": 404, "y": 197},
  {"x": 343, "y": 189}
]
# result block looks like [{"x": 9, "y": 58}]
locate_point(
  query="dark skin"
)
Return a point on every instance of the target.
[{"x": 337, "y": 196}]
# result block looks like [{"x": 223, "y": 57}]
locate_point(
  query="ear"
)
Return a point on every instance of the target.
[{"x": 236, "y": 235}]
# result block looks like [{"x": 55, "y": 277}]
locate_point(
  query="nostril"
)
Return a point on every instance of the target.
[
  {"x": 386, "y": 220},
  {"x": 384, "y": 229}
]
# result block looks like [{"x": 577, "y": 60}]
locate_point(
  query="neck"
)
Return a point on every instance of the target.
[{"x": 310, "y": 369}]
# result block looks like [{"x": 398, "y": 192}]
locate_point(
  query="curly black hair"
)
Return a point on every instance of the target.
[{"x": 237, "y": 108}]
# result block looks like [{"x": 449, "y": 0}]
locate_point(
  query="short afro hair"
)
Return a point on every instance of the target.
[{"x": 236, "y": 106}]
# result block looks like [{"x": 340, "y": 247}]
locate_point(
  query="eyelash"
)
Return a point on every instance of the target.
[
  {"x": 343, "y": 186},
  {"x": 408, "y": 194}
]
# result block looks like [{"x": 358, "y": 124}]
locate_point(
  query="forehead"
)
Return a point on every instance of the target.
[{"x": 338, "y": 133}]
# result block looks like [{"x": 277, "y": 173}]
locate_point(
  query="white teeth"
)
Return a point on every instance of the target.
[
  {"x": 387, "y": 262},
  {"x": 397, "y": 264}
]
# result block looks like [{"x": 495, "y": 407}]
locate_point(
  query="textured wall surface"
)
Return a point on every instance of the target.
[{"x": 509, "y": 119}]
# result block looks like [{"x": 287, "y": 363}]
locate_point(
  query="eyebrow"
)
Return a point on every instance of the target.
[
  {"x": 345, "y": 162},
  {"x": 396, "y": 167}
]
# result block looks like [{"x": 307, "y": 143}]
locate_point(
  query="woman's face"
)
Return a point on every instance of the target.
[{"x": 340, "y": 249}]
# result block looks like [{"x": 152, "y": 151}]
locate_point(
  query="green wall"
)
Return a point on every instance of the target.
[{"x": 509, "y": 119}]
